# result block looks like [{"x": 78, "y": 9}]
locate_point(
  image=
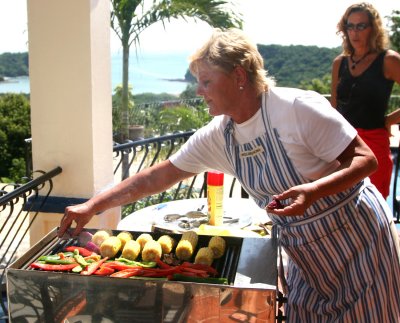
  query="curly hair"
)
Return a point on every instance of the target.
[
  {"x": 228, "y": 49},
  {"x": 379, "y": 39}
]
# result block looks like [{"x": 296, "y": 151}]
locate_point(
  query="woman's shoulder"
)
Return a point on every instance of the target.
[
  {"x": 392, "y": 65},
  {"x": 338, "y": 60},
  {"x": 392, "y": 55},
  {"x": 288, "y": 105},
  {"x": 339, "y": 57},
  {"x": 292, "y": 94}
]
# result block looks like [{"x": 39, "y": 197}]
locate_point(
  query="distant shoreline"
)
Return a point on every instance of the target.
[
  {"x": 12, "y": 79},
  {"x": 175, "y": 80}
]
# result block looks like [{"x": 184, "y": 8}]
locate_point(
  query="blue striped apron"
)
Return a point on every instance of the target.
[{"x": 343, "y": 263}]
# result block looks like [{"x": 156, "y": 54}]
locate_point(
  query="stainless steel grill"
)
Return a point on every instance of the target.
[{"x": 249, "y": 264}]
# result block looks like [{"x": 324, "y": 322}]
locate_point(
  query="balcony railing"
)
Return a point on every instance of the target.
[
  {"x": 16, "y": 218},
  {"x": 133, "y": 156}
]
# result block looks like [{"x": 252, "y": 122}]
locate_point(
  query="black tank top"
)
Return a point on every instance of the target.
[{"x": 363, "y": 100}]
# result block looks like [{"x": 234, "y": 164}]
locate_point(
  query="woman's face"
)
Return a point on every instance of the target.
[
  {"x": 358, "y": 29},
  {"x": 219, "y": 89}
]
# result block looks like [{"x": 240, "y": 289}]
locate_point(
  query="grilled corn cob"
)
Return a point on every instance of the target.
[
  {"x": 100, "y": 236},
  {"x": 204, "y": 256},
  {"x": 217, "y": 245},
  {"x": 151, "y": 251},
  {"x": 110, "y": 247},
  {"x": 167, "y": 243},
  {"x": 187, "y": 245},
  {"x": 143, "y": 238},
  {"x": 124, "y": 236},
  {"x": 131, "y": 250}
]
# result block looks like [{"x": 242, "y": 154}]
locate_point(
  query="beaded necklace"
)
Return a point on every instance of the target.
[{"x": 355, "y": 63}]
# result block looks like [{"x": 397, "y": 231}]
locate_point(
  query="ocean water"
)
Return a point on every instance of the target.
[{"x": 148, "y": 73}]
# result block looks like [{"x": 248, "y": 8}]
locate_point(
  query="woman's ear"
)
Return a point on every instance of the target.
[{"x": 240, "y": 75}]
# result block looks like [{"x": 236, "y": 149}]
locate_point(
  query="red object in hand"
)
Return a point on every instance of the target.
[{"x": 275, "y": 204}]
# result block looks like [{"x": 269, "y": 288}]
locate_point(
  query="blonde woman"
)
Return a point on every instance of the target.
[{"x": 289, "y": 145}]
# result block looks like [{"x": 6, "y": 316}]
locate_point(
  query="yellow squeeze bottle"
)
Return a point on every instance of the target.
[{"x": 215, "y": 196}]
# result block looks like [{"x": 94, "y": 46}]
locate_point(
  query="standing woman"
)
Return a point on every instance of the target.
[
  {"x": 290, "y": 145},
  {"x": 362, "y": 81}
]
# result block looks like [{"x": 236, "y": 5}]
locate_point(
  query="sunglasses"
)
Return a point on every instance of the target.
[{"x": 359, "y": 27}]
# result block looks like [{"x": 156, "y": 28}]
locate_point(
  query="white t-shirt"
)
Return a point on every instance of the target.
[{"x": 312, "y": 132}]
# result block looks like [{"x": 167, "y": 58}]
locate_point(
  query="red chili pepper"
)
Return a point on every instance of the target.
[
  {"x": 82, "y": 251},
  {"x": 162, "y": 264},
  {"x": 104, "y": 271},
  {"x": 91, "y": 268},
  {"x": 158, "y": 272},
  {"x": 117, "y": 265},
  {"x": 53, "y": 267},
  {"x": 128, "y": 273},
  {"x": 208, "y": 269}
]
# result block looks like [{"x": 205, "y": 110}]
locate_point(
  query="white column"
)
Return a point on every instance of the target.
[{"x": 70, "y": 82}]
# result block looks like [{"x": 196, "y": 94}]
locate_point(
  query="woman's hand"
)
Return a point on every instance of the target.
[
  {"x": 300, "y": 197},
  {"x": 80, "y": 214}
]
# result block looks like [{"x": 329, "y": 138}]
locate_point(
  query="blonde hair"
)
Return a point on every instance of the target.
[
  {"x": 228, "y": 49},
  {"x": 378, "y": 41}
]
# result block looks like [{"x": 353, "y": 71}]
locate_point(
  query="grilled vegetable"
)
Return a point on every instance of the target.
[
  {"x": 204, "y": 256},
  {"x": 167, "y": 243},
  {"x": 79, "y": 259},
  {"x": 82, "y": 251},
  {"x": 187, "y": 245},
  {"x": 91, "y": 246},
  {"x": 217, "y": 245},
  {"x": 124, "y": 236},
  {"x": 110, "y": 247},
  {"x": 152, "y": 250},
  {"x": 100, "y": 236},
  {"x": 131, "y": 250},
  {"x": 56, "y": 260},
  {"x": 84, "y": 237},
  {"x": 143, "y": 238},
  {"x": 91, "y": 268},
  {"x": 51, "y": 267},
  {"x": 145, "y": 264}
]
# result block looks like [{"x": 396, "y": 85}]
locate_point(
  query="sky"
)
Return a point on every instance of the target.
[{"x": 282, "y": 22}]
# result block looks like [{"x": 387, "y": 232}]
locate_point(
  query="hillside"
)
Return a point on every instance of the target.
[
  {"x": 289, "y": 65},
  {"x": 13, "y": 64}
]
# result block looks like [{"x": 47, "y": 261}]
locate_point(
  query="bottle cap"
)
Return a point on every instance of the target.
[{"x": 215, "y": 178}]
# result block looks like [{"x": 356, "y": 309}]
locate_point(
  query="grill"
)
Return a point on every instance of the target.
[{"x": 249, "y": 264}]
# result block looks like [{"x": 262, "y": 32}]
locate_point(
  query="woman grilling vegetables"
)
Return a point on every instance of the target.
[{"x": 290, "y": 146}]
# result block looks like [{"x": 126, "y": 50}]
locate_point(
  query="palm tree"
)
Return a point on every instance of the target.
[{"x": 130, "y": 17}]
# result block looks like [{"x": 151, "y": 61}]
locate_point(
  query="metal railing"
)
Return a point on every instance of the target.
[
  {"x": 133, "y": 156},
  {"x": 16, "y": 218}
]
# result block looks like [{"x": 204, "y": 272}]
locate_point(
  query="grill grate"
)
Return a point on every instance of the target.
[{"x": 226, "y": 265}]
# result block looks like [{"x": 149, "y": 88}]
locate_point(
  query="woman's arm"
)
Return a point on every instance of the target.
[
  {"x": 149, "y": 181},
  {"x": 357, "y": 161},
  {"x": 335, "y": 78},
  {"x": 392, "y": 72}
]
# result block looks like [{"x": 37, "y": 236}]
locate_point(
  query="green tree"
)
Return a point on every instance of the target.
[
  {"x": 182, "y": 118},
  {"x": 394, "y": 27},
  {"x": 322, "y": 86},
  {"x": 129, "y": 18},
  {"x": 14, "y": 129}
]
